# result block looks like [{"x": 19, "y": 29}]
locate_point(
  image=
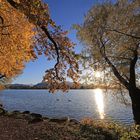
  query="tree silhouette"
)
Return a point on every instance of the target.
[{"x": 111, "y": 35}]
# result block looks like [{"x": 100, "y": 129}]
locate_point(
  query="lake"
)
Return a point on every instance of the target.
[{"x": 77, "y": 104}]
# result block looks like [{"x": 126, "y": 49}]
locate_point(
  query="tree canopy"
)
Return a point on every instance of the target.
[
  {"x": 111, "y": 35},
  {"x": 16, "y": 39},
  {"x": 27, "y": 31}
]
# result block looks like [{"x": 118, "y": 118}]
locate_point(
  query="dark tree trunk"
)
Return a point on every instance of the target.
[{"x": 135, "y": 98}]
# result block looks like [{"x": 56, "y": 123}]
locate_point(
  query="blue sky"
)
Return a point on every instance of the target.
[{"x": 64, "y": 13}]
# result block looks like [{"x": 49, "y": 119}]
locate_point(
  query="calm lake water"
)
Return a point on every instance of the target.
[{"x": 76, "y": 104}]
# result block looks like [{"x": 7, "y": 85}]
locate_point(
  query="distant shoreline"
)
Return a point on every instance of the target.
[
  {"x": 59, "y": 89},
  {"x": 44, "y": 85}
]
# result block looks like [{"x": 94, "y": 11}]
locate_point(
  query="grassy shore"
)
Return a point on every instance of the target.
[{"x": 30, "y": 126}]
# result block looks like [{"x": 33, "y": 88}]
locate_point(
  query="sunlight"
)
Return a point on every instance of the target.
[
  {"x": 97, "y": 74},
  {"x": 100, "y": 102}
]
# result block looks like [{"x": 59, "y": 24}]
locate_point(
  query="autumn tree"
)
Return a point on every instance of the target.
[
  {"x": 111, "y": 36},
  {"x": 27, "y": 31}
]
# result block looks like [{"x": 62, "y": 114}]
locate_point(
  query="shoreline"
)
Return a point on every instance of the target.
[
  {"x": 34, "y": 117},
  {"x": 25, "y": 125}
]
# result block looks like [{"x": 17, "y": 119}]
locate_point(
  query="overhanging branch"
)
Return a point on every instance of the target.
[
  {"x": 2, "y": 76},
  {"x": 44, "y": 29}
]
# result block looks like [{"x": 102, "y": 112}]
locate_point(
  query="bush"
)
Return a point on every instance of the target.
[{"x": 109, "y": 130}]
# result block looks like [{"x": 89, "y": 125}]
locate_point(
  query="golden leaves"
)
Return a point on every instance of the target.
[
  {"x": 27, "y": 36},
  {"x": 16, "y": 38},
  {"x": 108, "y": 28}
]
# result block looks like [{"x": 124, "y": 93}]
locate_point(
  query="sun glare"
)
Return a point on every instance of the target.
[
  {"x": 97, "y": 74},
  {"x": 100, "y": 102}
]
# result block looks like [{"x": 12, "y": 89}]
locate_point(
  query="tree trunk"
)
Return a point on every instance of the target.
[{"x": 135, "y": 98}]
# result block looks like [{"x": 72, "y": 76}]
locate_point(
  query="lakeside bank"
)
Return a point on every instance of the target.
[{"x": 18, "y": 125}]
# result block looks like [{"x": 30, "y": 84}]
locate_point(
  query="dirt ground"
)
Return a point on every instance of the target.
[{"x": 19, "y": 129}]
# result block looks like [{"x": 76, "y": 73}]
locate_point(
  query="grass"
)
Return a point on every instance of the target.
[{"x": 99, "y": 130}]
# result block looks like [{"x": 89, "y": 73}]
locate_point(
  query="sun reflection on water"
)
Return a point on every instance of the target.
[{"x": 99, "y": 99}]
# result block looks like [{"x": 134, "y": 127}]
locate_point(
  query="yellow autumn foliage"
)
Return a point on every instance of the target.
[
  {"x": 16, "y": 40},
  {"x": 27, "y": 31}
]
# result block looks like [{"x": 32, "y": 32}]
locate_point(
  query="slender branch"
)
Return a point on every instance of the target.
[
  {"x": 126, "y": 77},
  {"x": 114, "y": 69},
  {"x": 14, "y": 4},
  {"x": 2, "y": 76},
  {"x": 55, "y": 45},
  {"x": 4, "y": 26},
  {"x": 5, "y": 34},
  {"x": 114, "y": 30},
  {"x": 119, "y": 57},
  {"x": 122, "y": 94},
  {"x": 2, "y": 20}
]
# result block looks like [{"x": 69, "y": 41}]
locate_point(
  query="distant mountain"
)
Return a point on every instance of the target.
[
  {"x": 42, "y": 85},
  {"x": 18, "y": 86}
]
